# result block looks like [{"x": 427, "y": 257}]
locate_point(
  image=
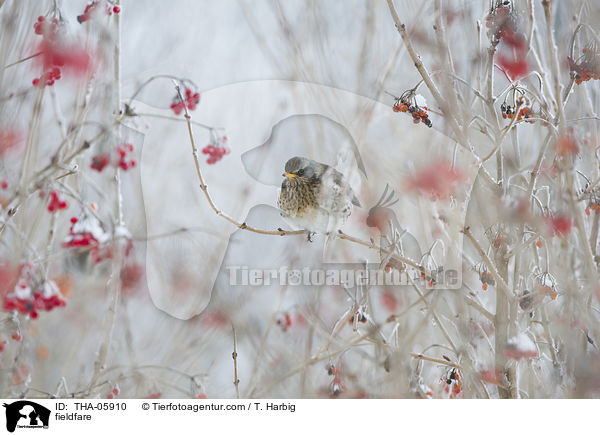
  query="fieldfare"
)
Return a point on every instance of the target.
[{"x": 314, "y": 196}]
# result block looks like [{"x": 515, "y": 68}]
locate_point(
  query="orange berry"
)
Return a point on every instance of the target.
[
  {"x": 587, "y": 211},
  {"x": 539, "y": 243},
  {"x": 484, "y": 286}
]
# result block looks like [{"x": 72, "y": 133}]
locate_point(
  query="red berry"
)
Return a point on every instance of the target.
[
  {"x": 116, "y": 9},
  {"x": 99, "y": 162}
]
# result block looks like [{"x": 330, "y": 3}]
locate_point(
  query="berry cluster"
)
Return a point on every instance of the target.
[
  {"x": 49, "y": 31},
  {"x": 216, "y": 151},
  {"x": 284, "y": 321},
  {"x": 592, "y": 207},
  {"x": 123, "y": 150},
  {"x": 453, "y": 379},
  {"x": 592, "y": 196},
  {"x": 87, "y": 233},
  {"x": 114, "y": 392},
  {"x": 28, "y": 298},
  {"x": 547, "y": 290},
  {"x": 42, "y": 27},
  {"x": 588, "y": 67},
  {"x": 500, "y": 22},
  {"x": 486, "y": 279},
  {"x": 47, "y": 78},
  {"x": 485, "y": 276},
  {"x": 102, "y": 160},
  {"x": 360, "y": 317},
  {"x": 56, "y": 203},
  {"x": 191, "y": 101},
  {"x": 79, "y": 237},
  {"x": 99, "y": 162},
  {"x": 91, "y": 8},
  {"x": 337, "y": 387},
  {"x": 428, "y": 279},
  {"x": 524, "y": 113},
  {"x": 419, "y": 114},
  {"x": 31, "y": 305}
]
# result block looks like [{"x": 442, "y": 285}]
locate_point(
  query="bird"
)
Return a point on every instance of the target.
[{"x": 315, "y": 196}]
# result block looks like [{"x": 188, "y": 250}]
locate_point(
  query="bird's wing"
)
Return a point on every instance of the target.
[{"x": 345, "y": 186}]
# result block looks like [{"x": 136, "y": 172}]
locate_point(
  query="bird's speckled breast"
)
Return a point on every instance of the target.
[{"x": 297, "y": 197}]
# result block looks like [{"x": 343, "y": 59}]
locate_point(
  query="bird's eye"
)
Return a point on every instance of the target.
[{"x": 301, "y": 172}]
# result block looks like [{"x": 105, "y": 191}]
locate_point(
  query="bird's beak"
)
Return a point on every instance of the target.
[{"x": 289, "y": 175}]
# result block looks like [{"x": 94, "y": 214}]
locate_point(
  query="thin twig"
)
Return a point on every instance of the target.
[
  {"x": 234, "y": 355},
  {"x": 204, "y": 187},
  {"x": 22, "y": 60},
  {"x": 435, "y": 360}
]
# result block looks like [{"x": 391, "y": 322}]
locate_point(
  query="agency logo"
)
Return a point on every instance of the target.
[{"x": 26, "y": 414}]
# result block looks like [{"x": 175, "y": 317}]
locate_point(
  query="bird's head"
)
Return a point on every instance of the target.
[{"x": 302, "y": 169}]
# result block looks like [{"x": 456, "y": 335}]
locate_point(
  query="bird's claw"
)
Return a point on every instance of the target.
[{"x": 309, "y": 235}]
